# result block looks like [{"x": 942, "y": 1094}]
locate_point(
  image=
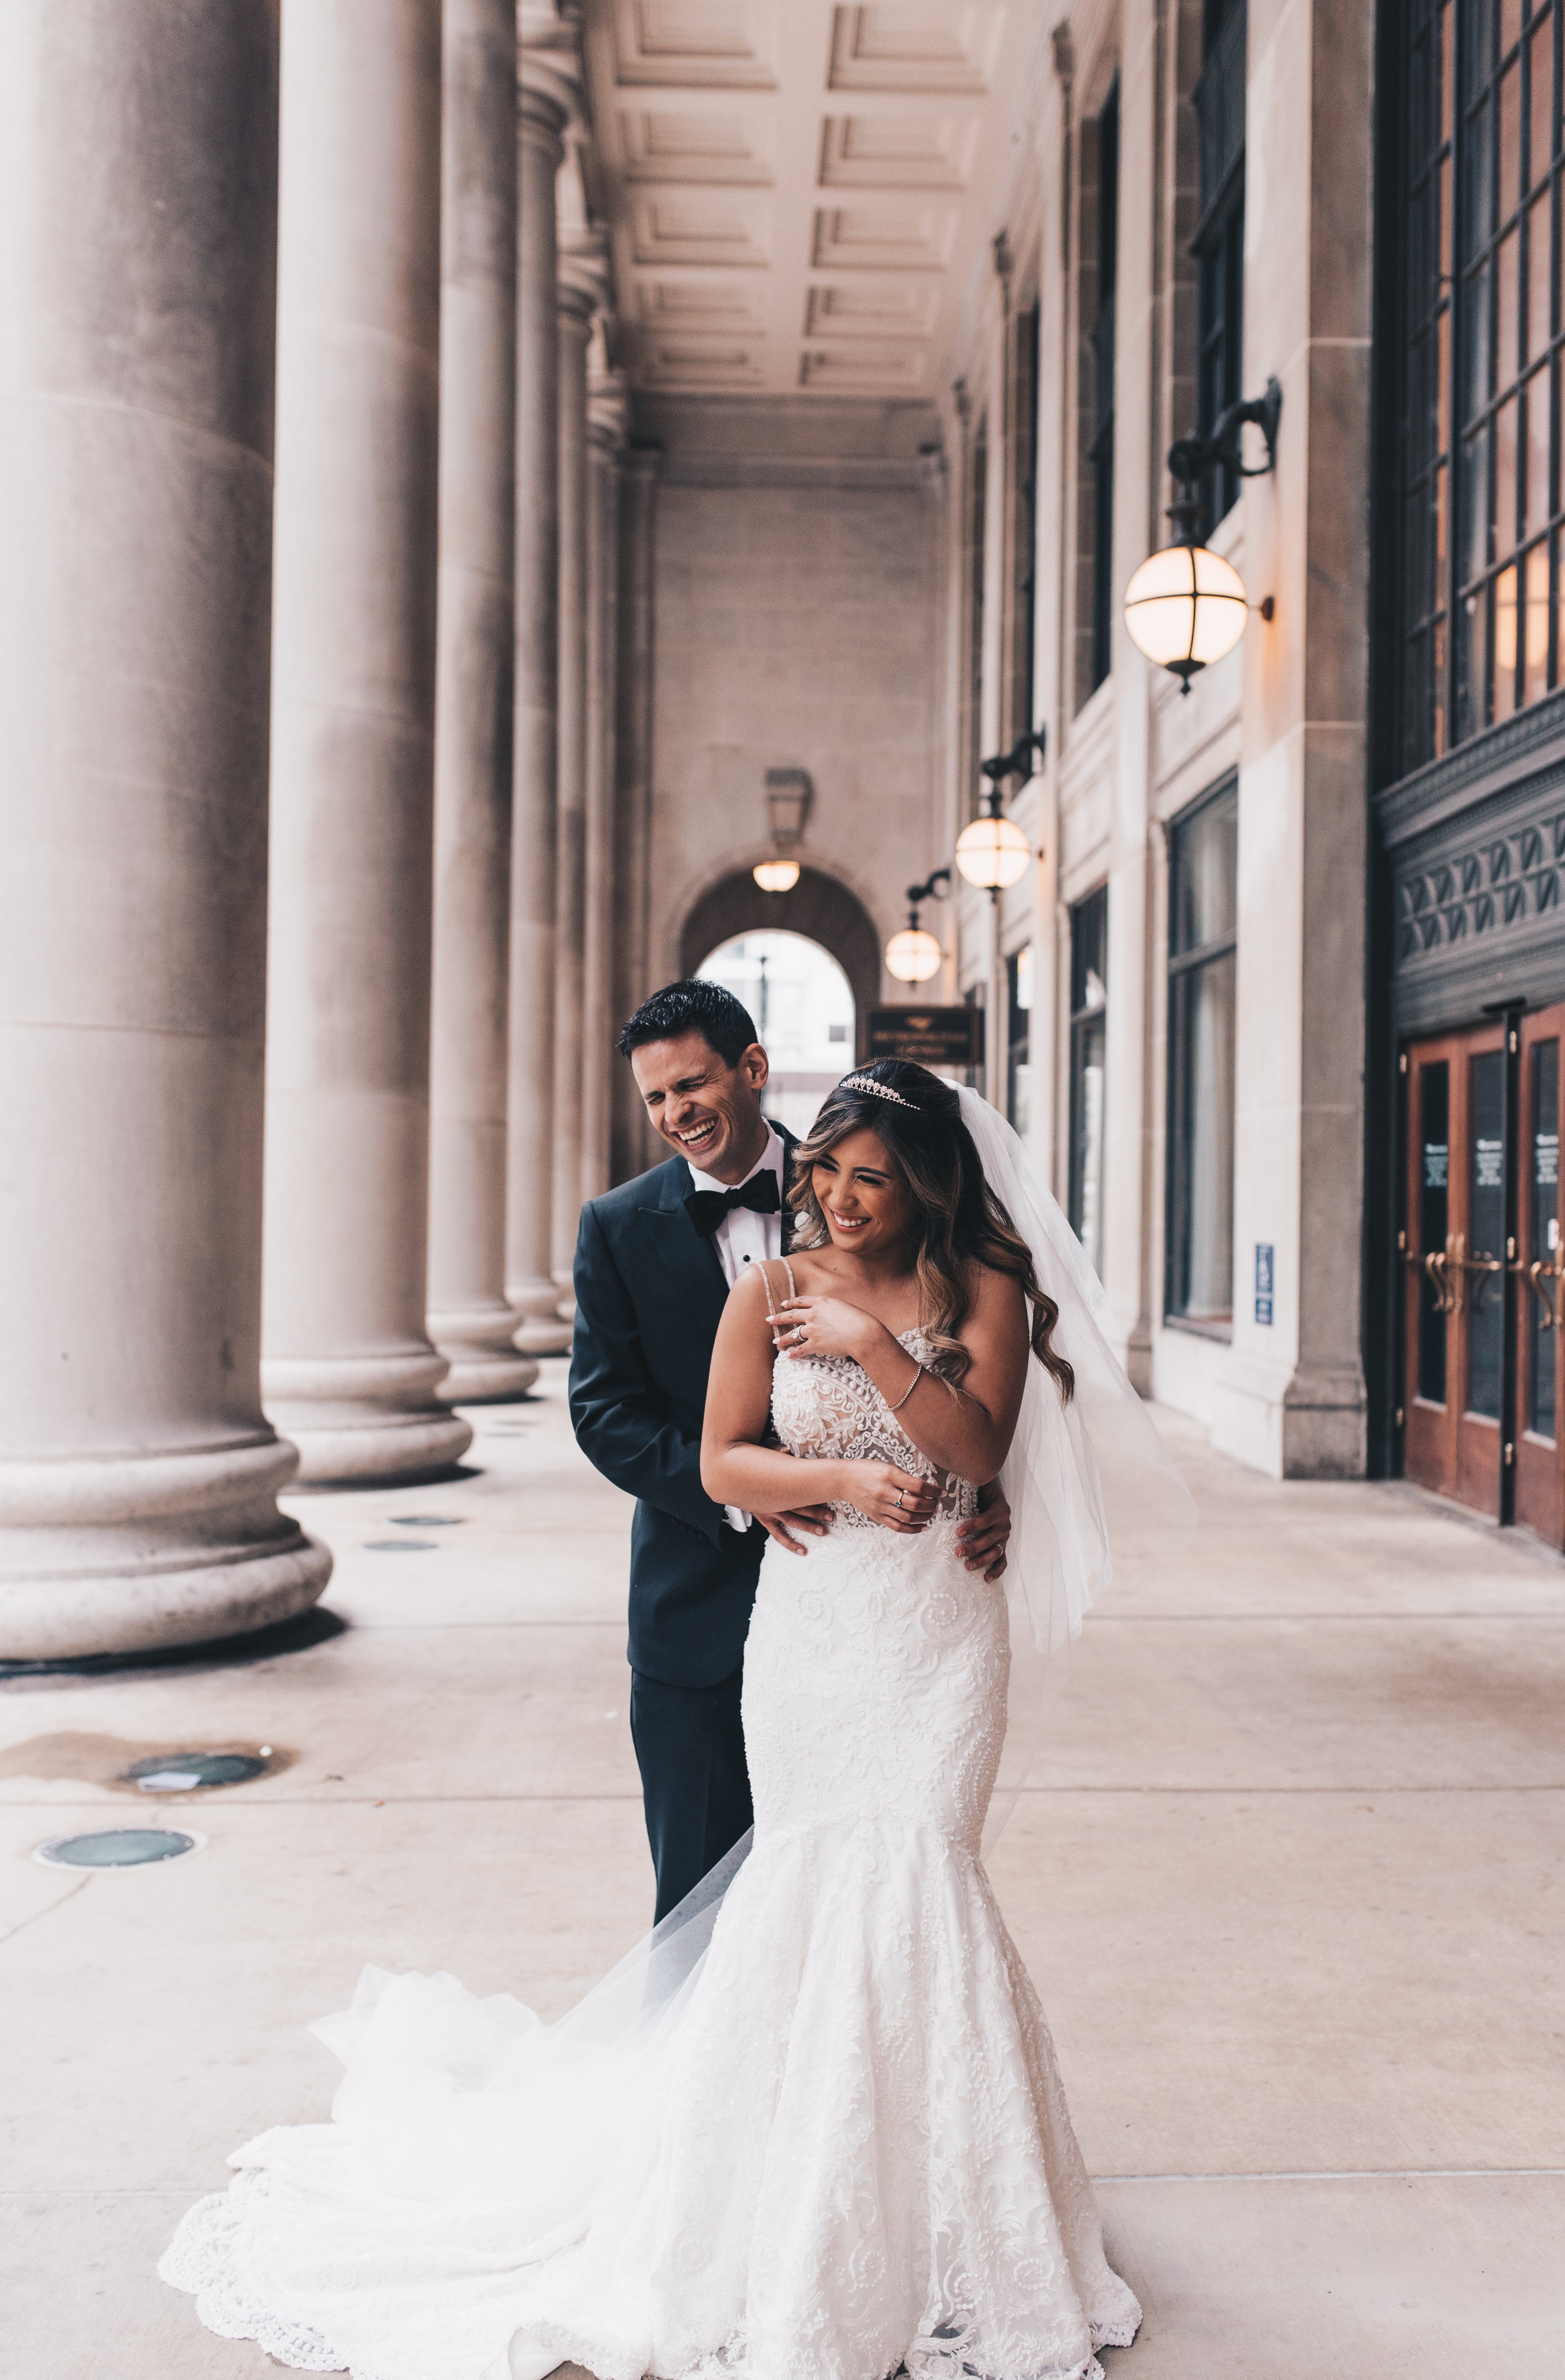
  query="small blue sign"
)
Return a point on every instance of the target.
[{"x": 1262, "y": 1281}]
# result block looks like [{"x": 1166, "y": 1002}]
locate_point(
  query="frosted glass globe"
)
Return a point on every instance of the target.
[
  {"x": 776, "y": 875},
  {"x": 913, "y": 956},
  {"x": 1185, "y": 607},
  {"x": 993, "y": 852}
]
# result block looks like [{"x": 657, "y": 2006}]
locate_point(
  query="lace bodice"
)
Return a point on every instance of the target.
[{"x": 827, "y": 1409}]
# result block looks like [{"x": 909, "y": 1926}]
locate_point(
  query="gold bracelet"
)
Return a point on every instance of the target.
[{"x": 918, "y": 1376}]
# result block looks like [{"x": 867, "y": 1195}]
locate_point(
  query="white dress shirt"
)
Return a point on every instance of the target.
[{"x": 745, "y": 1238}]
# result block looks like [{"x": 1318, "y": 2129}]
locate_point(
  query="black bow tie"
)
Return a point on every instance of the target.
[{"x": 706, "y": 1208}]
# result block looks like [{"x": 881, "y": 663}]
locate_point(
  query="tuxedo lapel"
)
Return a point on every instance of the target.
[{"x": 693, "y": 1263}]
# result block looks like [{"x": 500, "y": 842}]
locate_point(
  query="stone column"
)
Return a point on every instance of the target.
[
  {"x": 608, "y": 416},
  {"x": 348, "y": 1368},
  {"x": 582, "y": 283},
  {"x": 546, "y": 96},
  {"x": 469, "y": 1321},
  {"x": 628, "y": 1150},
  {"x": 138, "y": 1475}
]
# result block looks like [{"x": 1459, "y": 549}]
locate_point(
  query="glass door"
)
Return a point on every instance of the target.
[
  {"x": 1457, "y": 1251},
  {"x": 1536, "y": 1268}
]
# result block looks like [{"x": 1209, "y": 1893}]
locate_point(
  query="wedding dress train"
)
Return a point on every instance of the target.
[{"x": 812, "y": 2131}]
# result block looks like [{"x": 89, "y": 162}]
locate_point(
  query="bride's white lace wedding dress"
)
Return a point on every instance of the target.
[{"x": 828, "y": 2145}]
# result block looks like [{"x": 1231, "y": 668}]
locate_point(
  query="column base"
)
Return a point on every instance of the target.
[
  {"x": 542, "y": 1332},
  {"x": 127, "y": 1553},
  {"x": 1291, "y": 1422},
  {"x": 359, "y": 1420},
  {"x": 477, "y": 1344}
]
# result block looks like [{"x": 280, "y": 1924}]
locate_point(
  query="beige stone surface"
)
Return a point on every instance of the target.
[{"x": 1286, "y": 1880}]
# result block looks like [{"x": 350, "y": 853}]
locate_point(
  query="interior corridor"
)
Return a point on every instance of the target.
[{"x": 1287, "y": 1880}]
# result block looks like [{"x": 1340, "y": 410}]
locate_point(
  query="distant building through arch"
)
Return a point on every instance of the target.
[{"x": 819, "y": 908}]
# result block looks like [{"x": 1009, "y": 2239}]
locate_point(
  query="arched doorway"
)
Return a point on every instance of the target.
[
  {"x": 819, "y": 908},
  {"x": 803, "y": 1009}
]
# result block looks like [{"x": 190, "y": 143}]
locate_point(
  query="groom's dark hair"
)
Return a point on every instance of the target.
[{"x": 694, "y": 1007}]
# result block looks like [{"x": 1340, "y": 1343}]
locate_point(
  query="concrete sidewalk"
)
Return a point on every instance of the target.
[{"x": 1289, "y": 1879}]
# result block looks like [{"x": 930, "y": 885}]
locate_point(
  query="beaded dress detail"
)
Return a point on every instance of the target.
[{"x": 838, "y": 2149}]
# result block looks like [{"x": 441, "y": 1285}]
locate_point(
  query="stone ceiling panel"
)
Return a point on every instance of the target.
[{"x": 769, "y": 234}]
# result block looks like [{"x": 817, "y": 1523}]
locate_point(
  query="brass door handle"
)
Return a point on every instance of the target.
[
  {"x": 1536, "y": 1275},
  {"x": 1482, "y": 1266}
]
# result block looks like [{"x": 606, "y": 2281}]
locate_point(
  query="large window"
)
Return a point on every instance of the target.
[
  {"x": 1024, "y": 609},
  {"x": 1480, "y": 287},
  {"x": 1089, "y": 1001},
  {"x": 1202, "y": 855},
  {"x": 1102, "y": 158},
  {"x": 1018, "y": 1037},
  {"x": 1218, "y": 244}
]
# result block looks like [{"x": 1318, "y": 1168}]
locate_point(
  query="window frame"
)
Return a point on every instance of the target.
[{"x": 1181, "y": 966}]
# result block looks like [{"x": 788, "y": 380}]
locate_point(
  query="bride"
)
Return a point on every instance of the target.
[{"x": 813, "y": 2128}]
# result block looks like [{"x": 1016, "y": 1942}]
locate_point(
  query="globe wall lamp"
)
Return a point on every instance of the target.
[
  {"x": 1187, "y": 606},
  {"x": 913, "y": 956},
  {"x": 788, "y": 796},
  {"x": 993, "y": 852}
]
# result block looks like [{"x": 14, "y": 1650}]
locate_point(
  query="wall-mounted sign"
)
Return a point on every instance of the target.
[
  {"x": 932, "y": 1036},
  {"x": 1264, "y": 1271}
]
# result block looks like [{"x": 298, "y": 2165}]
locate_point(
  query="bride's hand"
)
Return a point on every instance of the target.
[
  {"x": 896, "y": 1499},
  {"x": 826, "y": 1326}
]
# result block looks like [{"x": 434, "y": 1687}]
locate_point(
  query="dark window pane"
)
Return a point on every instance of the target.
[
  {"x": 1205, "y": 867},
  {"x": 1538, "y": 612},
  {"x": 1505, "y": 526},
  {"x": 1089, "y": 1050},
  {"x": 1476, "y": 351},
  {"x": 1203, "y": 1006},
  {"x": 1540, "y": 277},
  {"x": 1510, "y": 184},
  {"x": 1508, "y": 277},
  {"x": 1540, "y": 65},
  {"x": 1472, "y": 664},
  {"x": 1485, "y": 1234},
  {"x": 1543, "y": 1244},
  {"x": 1434, "y": 1211},
  {"x": 1090, "y": 952},
  {"x": 1473, "y": 553}
]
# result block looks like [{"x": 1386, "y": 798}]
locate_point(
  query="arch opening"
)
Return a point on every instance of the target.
[{"x": 804, "y": 1014}]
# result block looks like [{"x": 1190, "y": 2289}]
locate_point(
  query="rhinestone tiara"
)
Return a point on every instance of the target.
[{"x": 881, "y": 1090}]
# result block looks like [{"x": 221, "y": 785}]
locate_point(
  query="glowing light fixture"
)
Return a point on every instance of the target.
[
  {"x": 1187, "y": 606},
  {"x": 776, "y": 875},
  {"x": 992, "y": 851},
  {"x": 915, "y": 955}
]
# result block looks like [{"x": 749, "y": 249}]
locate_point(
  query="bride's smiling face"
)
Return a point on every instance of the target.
[{"x": 858, "y": 1190}]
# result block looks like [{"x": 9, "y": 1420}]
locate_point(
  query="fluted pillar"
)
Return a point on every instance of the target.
[
  {"x": 138, "y": 184},
  {"x": 545, "y": 99},
  {"x": 583, "y": 280},
  {"x": 607, "y": 415},
  {"x": 469, "y": 1321},
  {"x": 629, "y": 1150},
  {"x": 348, "y": 1370}
]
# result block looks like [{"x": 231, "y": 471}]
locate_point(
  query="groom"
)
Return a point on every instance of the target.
[{"x": 655, "y": 1261}]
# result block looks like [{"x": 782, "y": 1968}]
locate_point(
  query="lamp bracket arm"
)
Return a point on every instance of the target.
[{"x": 1189, "y": 457}]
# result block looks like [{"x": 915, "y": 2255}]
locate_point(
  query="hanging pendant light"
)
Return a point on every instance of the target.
[
  {"x": 776, "y": 875},
  {"x": 1187, "y": 606}
]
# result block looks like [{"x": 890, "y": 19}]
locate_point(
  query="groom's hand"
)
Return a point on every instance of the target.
[
  {"x": 981, "y": 1542},
  {"x": 814, "y": 1520}
]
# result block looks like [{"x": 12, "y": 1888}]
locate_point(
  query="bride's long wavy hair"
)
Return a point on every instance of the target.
[{"x": 958, "y": 1220}]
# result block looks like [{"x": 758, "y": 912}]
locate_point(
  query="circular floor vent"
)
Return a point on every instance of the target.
[
  {"x": 118, "y": 1847},
  {"x": 187, "y": 1772}
]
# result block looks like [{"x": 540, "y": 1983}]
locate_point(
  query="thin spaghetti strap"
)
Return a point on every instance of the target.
[
  {"x": 788, "y": 1269},
  {"x": 766, "y": 1277}
]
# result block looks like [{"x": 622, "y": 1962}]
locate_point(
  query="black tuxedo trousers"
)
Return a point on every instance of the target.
[{"x": 650, "y": 1293}]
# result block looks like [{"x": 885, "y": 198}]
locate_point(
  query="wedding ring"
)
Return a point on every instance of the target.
[{"x": 899, "y": 1494}]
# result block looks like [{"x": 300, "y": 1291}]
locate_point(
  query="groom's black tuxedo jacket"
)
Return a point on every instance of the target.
[{"x": 650, "y": 1293}]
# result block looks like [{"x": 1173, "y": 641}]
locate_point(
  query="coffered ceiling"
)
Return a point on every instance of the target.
[{"x": 800, "y": 194}]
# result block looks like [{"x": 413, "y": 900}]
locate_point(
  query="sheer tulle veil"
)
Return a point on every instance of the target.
[{"x": 1083, "y": 1480}]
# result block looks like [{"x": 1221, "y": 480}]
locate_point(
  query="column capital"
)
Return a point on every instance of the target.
[
  {"x": 608, "y": 411},
  {"x": 584, "y": 275},
  {"x": 548, "y": 73}
]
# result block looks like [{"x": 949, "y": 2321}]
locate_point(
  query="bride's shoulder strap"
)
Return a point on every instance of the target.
[{"x": 766, "y": 1278}]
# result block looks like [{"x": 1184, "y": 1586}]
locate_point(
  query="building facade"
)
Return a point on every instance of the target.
[{"x": 523, "y": 468}]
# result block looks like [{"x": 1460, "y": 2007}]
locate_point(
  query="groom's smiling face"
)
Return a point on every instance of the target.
[{"x": 705, "y": 1109}]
